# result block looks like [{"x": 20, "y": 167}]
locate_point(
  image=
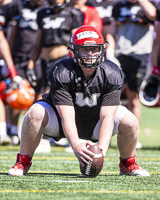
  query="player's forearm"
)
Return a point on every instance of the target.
[
  {"x": 36, "y": 51},
  {"x": 105, "y": 134},
  {"x": 34, "y": 57},
  {"x": 156, "y": 45},
  {"x": 5, "y": 51},
  {"x": 67, "y": 115},
  {"x": 149, "y": 9},
  {"x": 155, "y": 54},
  {"x": 70, "y": 131}
]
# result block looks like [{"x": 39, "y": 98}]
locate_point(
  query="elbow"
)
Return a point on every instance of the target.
[{"x": 152, "y": 15}]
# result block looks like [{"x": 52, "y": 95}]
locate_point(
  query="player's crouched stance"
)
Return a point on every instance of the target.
[{"x": 83, "y": 102}]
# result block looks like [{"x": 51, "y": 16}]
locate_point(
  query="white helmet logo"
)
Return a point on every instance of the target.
[{"x": 87, "y": 34}]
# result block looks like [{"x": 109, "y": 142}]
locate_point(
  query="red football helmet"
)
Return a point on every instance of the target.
[
  {"x": 87, "y": 36},
  {"x": 149, "y": 93},
  {"x": 20, "y": 96}
]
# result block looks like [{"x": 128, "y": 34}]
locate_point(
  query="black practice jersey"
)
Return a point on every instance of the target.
[
  {"x": 3, "y": 18},
  {"x": 126, "y": 10},
  {"x": 158, "y": 12},
  {"x": 69, "y": 87},
  {"x": 104, "y": 9},
  {"x": 56, "y": 27},
  {"x": 25, "y": 15}
]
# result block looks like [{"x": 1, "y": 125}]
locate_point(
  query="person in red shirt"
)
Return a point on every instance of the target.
[{"x": 91, "y": 15}]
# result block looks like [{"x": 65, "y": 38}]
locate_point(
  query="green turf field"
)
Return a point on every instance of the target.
[{"x": 56, "y": 175}]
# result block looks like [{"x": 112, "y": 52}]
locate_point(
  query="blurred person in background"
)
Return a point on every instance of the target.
[
  {"x": 104, "y": 8},
  {"x": 56, "y": 24},
  {"x": 6, "y": 62},
  {"x": 91, "y": 15},
  {"x": 150, "y": 87},
  {"x": 134, "y": 41},
  {"x": 22, "y": 39},
  {"x": 6, "y": 54}
]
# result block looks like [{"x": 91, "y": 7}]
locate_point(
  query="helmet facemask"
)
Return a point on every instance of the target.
[{"x": 82, "y": 61}]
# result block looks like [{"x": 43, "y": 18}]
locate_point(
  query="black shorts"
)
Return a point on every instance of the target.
[
  {"x": 46, "y": 65},
  {"x": 134, "y": 71},
  {"x": 21, "y": 64}
]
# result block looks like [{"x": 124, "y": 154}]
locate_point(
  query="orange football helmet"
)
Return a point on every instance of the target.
[{"x": 20, "y": 96}]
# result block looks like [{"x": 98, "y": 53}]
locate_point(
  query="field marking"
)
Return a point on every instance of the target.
[
  {"x": 73, "y": 158},
  {"x": 72, "y": 172},
  {"x": 10, "y": 147},
  {"x": 66, "y": 181},
  {"x": 80, "y": 191}
]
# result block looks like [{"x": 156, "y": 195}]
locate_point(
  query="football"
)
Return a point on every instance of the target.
[{"x": 92, "y": 169}]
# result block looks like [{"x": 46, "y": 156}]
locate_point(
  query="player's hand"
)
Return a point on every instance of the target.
[
  {"x": 103, "y": 151},
  {"x": 31, "y": 77},
  {"x": 156, "y": 71},
  {"x": 17, "y": 79},
  {"x": 82, "y": 153}
]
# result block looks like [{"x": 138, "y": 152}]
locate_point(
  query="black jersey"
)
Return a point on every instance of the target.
[
  {"x": 56, "y": 27},
  {"x": 25, "y": 15},
  {"x": 69, "y": 87},
  {"x": 3, "y": 18},
  {"x": 158, "y": 12},
  {"x": 104, "y": 9},
  {"x": 126, "y": 10}
]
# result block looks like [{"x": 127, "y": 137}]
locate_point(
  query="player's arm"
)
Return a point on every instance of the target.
[
  {"x": 67, "y": 114},
  {"x": 156, "y": 51},
  {"x": 107, "y": 114},
  {"x": 12, "y": 35},
  {"x": 36, "y": 51},
  {"x": 110, "y": 38},
  {"x": 5, "y": 51},
  {"x": 156, "y": 45},
  {"x": 35, "y": 54},
  {"x": 73, "y": 30},
  {"x": 110, "y": 50},
  {"x": 149, "y": 9}
]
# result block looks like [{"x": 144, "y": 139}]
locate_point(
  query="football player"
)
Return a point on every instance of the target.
[
  {"x": 22, "y": 40},
  {"x": 83, "y": 102},
  {"x": 56, "y": 25},
  {"x": 6, "y": 54},
  {"x": 134, "y": 40},
  {"x": 149, "y": 90},
  {"x": 91, "y": 15}
]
